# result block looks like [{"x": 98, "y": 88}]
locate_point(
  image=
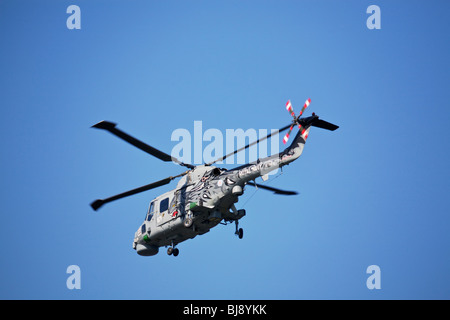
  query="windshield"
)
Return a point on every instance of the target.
[{"x": 150, "y": 211}]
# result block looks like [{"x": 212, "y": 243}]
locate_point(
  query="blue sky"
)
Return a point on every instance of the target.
[{"x": 374, "y": 192}]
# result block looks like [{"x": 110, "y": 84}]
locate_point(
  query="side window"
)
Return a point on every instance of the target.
[{"x": 164, "y": 205}]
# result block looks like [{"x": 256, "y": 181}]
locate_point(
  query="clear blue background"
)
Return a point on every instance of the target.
[{"x": 375, "y": 191}]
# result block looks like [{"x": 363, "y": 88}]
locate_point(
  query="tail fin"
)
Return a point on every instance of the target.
[{"x": 295, "y": 150}]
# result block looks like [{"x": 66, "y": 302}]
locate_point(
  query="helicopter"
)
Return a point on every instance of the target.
[{"x": 205, "y": 195}]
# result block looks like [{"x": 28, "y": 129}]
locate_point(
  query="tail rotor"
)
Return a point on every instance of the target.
[{"x": 295, "y": 121}]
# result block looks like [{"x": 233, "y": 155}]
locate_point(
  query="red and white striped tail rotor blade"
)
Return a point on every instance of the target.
[
  {"x": 289, "y": 108},
  {"x": 286, "y": 137},
  {"x": 303, "y": 131},
  {"x": 307, "y": 102}
]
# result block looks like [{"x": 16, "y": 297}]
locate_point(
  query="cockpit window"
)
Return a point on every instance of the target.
[{"x": 151, "y": 210}]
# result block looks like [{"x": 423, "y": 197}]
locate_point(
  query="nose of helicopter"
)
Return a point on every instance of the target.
[{"x": 146, "y": 249}]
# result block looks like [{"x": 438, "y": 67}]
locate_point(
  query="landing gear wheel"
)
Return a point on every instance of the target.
[
  {"x": 188, "y": 222},
  {"x": 239, "y": 232},
  {"x": 176, "y": 252},
  {"x": 170, "y": 250}
]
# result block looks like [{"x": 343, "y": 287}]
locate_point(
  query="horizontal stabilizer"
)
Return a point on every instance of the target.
[{"x": 319, "y": 123}]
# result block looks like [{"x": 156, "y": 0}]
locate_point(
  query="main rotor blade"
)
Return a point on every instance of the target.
[
  {"x": 111, "y": 127},
  {"x": 275, "y": 190},
  {"x": 249, "y": 145},
  {"x": 100, "y": 202}
]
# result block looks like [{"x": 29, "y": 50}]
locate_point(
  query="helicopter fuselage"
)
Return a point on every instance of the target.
[{"x": 203, "y": 198}]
